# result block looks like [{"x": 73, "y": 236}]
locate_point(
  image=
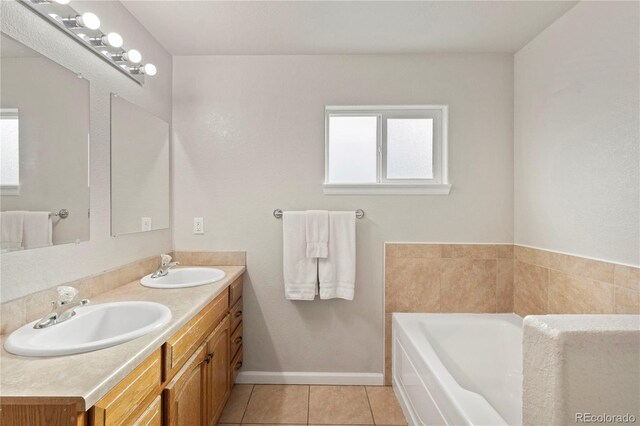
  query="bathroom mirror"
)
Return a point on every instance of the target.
[
  {"x": 139, "y": 169},
  {"x": 44, "y": 151}
]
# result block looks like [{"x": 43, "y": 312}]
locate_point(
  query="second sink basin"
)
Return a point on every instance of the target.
[
  {"x": 92, "y": 327},
  {"x": 184, "y": 277}
]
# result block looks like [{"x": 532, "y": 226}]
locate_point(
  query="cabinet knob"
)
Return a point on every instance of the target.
[
  {"x": 239, "y": 313},
  {"x": 209, "y": 356},
  {"x": 238, "y": 366},
  {"x": 238, "y": 340}
]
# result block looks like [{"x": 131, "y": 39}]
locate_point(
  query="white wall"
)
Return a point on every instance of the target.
[
  {"x": 53, "y": 106},
  {"x": 577, "y": 96},
  {"x": 249, "y": 138},
  {"x": 32, "y": 270}
]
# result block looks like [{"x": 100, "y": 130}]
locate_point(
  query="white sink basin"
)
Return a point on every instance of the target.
[
  {"x": 93, "y": 327},
  {"x": 184, "y": 277}
]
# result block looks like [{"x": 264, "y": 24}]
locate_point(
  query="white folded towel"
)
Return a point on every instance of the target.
[
  {"x": 300, "y": 271},
  {"x": 337, "y": 272},
  {"x": 38, "y": 230},
  {"x": 317, "y": 228},
  {"x": 11, "y": 230}
]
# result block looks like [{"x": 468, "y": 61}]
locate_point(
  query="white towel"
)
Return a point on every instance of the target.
[
  {"x": 11, "y": 229},
  {"x": 317, "y": 228},
  {"x": 338, "y": 271},
  {"x": 300, "y": 271},
  {"x": 38, "y": 230}
]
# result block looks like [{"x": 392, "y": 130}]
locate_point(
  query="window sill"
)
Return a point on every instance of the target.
[{"x": 387, "y": 189}]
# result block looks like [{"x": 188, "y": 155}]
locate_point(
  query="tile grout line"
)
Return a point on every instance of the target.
[
  {"x": 244, "y": 412},
  {"x": 366, "y": 392}
]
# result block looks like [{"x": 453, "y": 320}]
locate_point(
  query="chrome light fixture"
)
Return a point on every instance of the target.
[{"x": 85, "y": 28}]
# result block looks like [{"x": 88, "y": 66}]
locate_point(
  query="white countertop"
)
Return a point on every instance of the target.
[{"x": 85, "y": 378}]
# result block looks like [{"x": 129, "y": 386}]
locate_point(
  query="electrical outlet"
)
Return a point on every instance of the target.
[
  {"x": 198, "y": 225},
  {"x": 146, "y": 224}
]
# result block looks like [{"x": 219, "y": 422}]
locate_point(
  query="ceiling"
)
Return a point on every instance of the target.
[{"x": 343, "y": 27}]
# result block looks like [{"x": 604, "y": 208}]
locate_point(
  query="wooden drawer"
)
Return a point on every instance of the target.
[
  {"x": 182, "y": 344},
  {"x": 126, "y": 398},
  {"x": 152, "y": 416},
  {"x": 235, "y": 291},
  {"x": 236, "y": 340},
  {"x": 236, "y": 314},
  {"x": 236, "y": 364}
]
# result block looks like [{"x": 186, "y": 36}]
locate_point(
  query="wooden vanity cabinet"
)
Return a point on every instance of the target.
[
  {"x": 186, "y": 382},
  {"x": 184, "y": 396},
  {"x": 218, "y": 377}
]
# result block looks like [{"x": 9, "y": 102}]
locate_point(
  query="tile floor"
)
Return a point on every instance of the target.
[{"x": 312, "y": 405}]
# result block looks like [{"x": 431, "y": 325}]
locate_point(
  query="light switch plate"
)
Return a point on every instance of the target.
[
  {"x": 198, "y": 225},
  {"x": 146, "y": 224}
]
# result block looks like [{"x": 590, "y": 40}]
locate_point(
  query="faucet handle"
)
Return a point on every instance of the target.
[
  {"x": 66, "y": 293},
  {"x": 166, "y": 259}
]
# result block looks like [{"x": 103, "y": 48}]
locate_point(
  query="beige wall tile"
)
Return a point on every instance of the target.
[
  {"x": 627, "y": 276},
  {"x": 278, "y": 404},
  {"x": 384, "y": 406},
  {"x": 576, "y": 295},
  {"x": 530, "y": 284},
  {"x": 504, "y": 251},
  {"x": 504, "y": 285},
  {"x": 12, "y": 315},
  {"x": 627, "y": 301},
  {"x": 339, "y": 405},
  {"x": 468, "y": 285},
  {"x": 470, "y": 251},
  {"x": 413, "y": 250},
  {"x": 581, "y": 267},
  {"x": 388, "y": 336},
  {"x": 532, "y": 256},
  {"x": 412, "y": 285}
]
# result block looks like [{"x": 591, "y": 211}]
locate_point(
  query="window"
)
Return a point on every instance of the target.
[
  {"x": 9, "y": 152},
  {"x": 386, "y": 150}
]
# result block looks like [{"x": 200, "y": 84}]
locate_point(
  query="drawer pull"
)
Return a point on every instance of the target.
[
  {"x": 209, "y": 357},
  {"x": 238, "y": 366},
  {"x": 238, "y": 340},
  {"x": 239, "y": 313}
]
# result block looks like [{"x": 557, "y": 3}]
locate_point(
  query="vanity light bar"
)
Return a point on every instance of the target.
[{"x": 85, "y": 29}]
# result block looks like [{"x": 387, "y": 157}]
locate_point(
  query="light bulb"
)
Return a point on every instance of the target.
[
  {"x": 150, "y": 69},
  {"x": 62, "y": 1},
  {"x": 88, "y": 20},
  {"x": 113, "y": 40},
  {"x": 133, "y": 56}
]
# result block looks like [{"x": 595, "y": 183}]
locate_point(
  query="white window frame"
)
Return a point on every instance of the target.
[
  {"x": 13, "y": 190},
  {"x": 438, "y": 185}
]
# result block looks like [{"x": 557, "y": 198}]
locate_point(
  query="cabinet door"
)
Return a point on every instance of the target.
[
  {"x": 184, "y": 395},
  {"x": 218, "y": 371}
]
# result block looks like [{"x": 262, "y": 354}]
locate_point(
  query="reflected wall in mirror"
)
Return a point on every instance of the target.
[
  {"x": 139, "y": 169},
  {"x": 44, "y": 151}
]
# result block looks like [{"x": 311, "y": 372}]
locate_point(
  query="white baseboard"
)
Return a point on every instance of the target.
[{"x": 303, "y": 378}]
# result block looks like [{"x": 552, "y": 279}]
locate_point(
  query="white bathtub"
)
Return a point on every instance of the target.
[{"x": 458, "y": 369}]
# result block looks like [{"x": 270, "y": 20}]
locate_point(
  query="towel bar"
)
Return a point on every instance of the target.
[
  {"x": 62, "y": 214},
  {"x": 277, "y": 213}
]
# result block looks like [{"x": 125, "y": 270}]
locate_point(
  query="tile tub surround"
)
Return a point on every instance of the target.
[
  {"x": 448, "y": 278},
  {"x": 85, "y": 378},
  {"x": 546, "y": 282},
  {"x": 15, "y": 313},
  {"x": 501, "y": 278}
]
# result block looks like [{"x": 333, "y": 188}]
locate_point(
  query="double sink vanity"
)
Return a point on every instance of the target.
[{"x": 162, "y": 350}]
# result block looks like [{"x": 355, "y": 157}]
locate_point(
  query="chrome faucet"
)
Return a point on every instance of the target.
[
  {"x": 57, "y": 314},
  {"x": 165, "y": 265}
]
